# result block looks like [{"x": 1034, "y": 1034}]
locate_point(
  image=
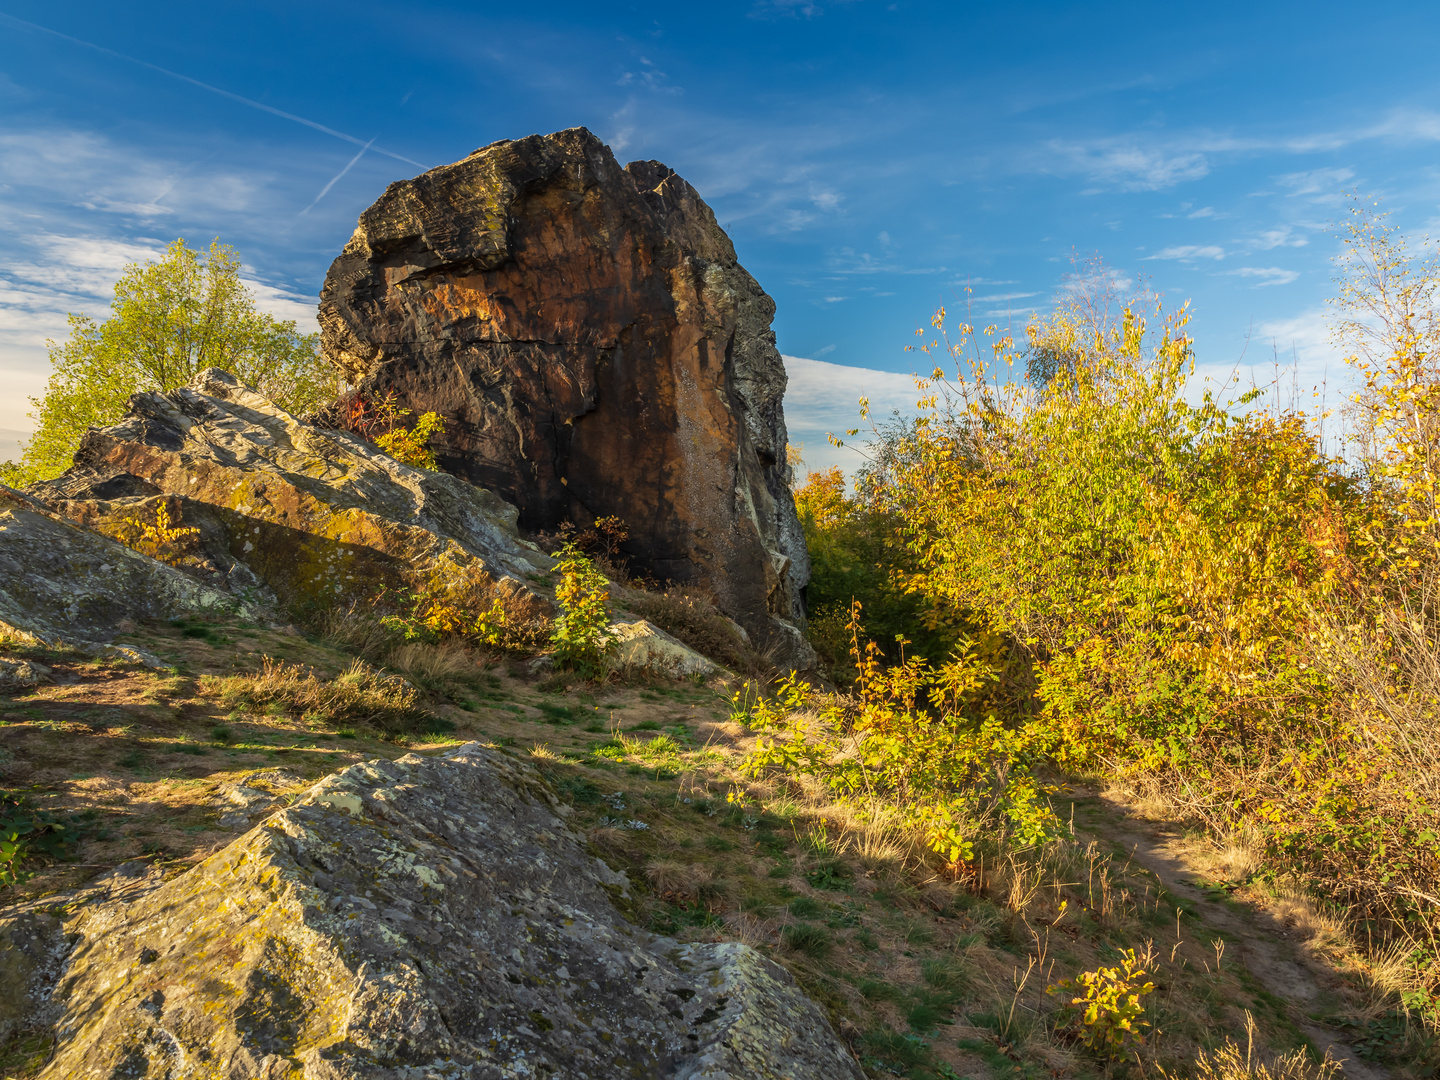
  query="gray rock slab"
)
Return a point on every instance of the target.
[{"x": 428, "y": 917}]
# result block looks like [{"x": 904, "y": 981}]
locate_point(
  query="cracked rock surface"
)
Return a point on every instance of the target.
[
  {"x": 315, "y": 517},
  {"x": 62, "y": 583},
  {"x": 428, "y": 917}
]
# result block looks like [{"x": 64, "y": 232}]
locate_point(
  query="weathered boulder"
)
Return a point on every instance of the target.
[
  {"x": 642, "y": 644},
  {"x": 429, "y": 917},
  {"x": 595, "y": 349},
  {"x": 315, "y": 517},
  {"x": 62, "y": 584}
]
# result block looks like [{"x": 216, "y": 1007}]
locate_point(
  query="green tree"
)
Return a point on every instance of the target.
[{"x": 171, "y": 319}]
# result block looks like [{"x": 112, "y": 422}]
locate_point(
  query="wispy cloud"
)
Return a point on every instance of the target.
[
  {"x": 848, "y": 261},
  {"x": 1152, "y": 162},
  {"x": 998, "y": 297},
  {"x": 824, "y": 398},
  {"x": 1312, "y": 181},
  {"x": 1267, "y": 275},
  {"x": 1189, "y": 252},
  {"x": 1125, "y": 164},
  {"x": 1303, "y": 339},
  {"x": 1280, "y": 236},
  {"x": 92, "y": 172}
]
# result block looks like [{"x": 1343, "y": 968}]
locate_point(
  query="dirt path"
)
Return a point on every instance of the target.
[{"x": 1254, "y": 937}]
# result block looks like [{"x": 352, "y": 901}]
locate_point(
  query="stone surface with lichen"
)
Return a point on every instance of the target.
[
  {"x": 427, "y": 917},
  {"x": 313, "y": 517}
]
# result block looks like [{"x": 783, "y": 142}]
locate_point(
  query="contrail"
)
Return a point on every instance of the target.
[
  {"x": 213, "y": 89},
  {"x": 335, "y": 179}
]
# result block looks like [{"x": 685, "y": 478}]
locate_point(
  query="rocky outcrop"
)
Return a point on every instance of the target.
[
  {"x": 429, "y": 917},
  {"x": 61, "y": 584},
  {"x": 316, "y": 517},
  {"x": 595, "y": 349}
]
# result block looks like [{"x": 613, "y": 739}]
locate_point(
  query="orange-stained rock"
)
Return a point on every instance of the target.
[{"x": 595, "y": 349}]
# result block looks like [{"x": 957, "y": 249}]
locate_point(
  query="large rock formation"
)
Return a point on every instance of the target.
[
  {"x": 426, "y": 918},
  {"x": 314, "y": 517},
  {"x": 595, "y": 349}
]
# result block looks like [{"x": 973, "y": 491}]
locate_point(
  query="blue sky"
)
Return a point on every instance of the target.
[{"x": 869, "y": 158}]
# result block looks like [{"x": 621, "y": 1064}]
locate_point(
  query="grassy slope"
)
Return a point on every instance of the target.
[{"x": 923, "y": 976}]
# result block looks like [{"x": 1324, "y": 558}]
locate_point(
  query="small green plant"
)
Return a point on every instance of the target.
[
  {"x": 808, "y": 938},
  {"x": 379, "y": 420},
  {"x": 1106, "y": 1004},
  {"x": 26, "y": 834},
  {"x": 582, "y": 635}
]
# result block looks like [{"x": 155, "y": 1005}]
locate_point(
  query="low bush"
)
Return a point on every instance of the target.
[
  {"x": 27, "y": 836},
  {"x": 908, "y": 744},
  {"x": 581, "y": 635}
]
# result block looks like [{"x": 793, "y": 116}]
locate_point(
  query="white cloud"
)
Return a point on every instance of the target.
[
  {"x": 1302, "y": 341},
  {"x": 1280, "y": 236},
  {"x": 1268, "y": 275},
  {"x": 848, "y": 261},
  {"x": 824, "y": 398},
  {"x": 997, "y": 297},
  {"x": 1189, "y": 252},
  {"x": 91, "y": 172},
  {"x": 824, "y": 351},
  {"x": 1203, "y": 212},
  {"x": 284, "y": 304}
]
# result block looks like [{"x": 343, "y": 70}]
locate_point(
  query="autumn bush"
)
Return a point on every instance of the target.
[{"x": 1190, "y": 592}]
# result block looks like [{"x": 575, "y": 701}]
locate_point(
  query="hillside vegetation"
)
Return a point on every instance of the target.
[
  {"x": 1193, "y": 602},
  {"x": 1130, "y": 770}
]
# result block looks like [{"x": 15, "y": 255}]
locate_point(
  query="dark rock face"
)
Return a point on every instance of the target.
[{"x": 595, "y": 349}]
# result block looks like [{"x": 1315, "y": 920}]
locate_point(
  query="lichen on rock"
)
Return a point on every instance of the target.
[
  {"x": 427, "y": 917},
  {"x": 286, "y": 510},
  {"x": 65, "y": 585}
]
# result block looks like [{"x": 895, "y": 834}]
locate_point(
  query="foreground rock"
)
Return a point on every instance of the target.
[
  {"x": 314, "y": 517},
  {"x": 595, "y": 349},
  {"x": 421, "y": 918},
  {"x": 64, "y": 585}
]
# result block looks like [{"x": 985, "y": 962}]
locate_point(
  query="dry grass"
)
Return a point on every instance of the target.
[
  {"x": 432, "y": 662},
  {"x": 1228, "y": 1063},
  {"x": 681, "y": 881},
  {"x": 357, "y": 631},
  {"x": 360, "y": 695}
]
